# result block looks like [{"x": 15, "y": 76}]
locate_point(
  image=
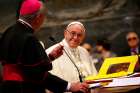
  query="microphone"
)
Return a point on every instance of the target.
[
  {"x": 79, "y": 74},
  {"x": 52, "y": 39}
]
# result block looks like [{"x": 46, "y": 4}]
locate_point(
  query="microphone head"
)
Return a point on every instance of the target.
[{"x": 52, "y": 39}]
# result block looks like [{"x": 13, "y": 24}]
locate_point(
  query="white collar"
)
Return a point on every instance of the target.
[
  {"x": 24, "y": 22},
  {"x": 136, "y": 49}
]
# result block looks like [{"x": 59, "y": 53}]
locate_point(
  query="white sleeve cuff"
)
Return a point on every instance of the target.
[{"x": 68, "y": 87}]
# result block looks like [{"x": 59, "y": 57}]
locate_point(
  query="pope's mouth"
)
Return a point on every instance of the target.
[{"x": 75, "y": 42}]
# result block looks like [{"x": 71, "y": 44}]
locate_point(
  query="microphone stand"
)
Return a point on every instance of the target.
[
  {"x": 80, "y": 77},
  {"x": 79, "y": 74}
]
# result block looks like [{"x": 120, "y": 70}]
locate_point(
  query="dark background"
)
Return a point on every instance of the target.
[{"x": 111, "y": 19}]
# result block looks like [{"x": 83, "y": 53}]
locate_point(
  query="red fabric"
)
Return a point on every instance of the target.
[
  {"x": 11, "y": 72},
  {"x": 29, "y": 7}
]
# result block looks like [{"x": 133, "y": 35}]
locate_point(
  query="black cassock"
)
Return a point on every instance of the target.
[{"x": 25, "y": 63}]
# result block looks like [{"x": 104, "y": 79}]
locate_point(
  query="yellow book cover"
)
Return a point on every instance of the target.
[{"x": 115, "y": 67}]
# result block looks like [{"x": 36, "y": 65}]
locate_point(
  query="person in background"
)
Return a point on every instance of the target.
[
  {"x": 88, "y": 47},
  {"x": 133, "y": 44},
  {"x": 25, "y": 63},
  {"x": 75, "y": 63},
  {"x": 103, "y": 50},
  {"x": 133, "y": 47}
]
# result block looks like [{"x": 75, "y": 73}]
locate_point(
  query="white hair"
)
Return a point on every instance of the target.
[{"x": 76, "y": 22}]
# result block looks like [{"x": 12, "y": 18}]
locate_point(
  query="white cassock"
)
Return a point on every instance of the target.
[{"x": 64, "y": 68}]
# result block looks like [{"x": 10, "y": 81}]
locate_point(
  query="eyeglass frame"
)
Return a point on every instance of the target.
[
  {"x": 131, "y": 38},
  {"x": 75, "y": 34}
]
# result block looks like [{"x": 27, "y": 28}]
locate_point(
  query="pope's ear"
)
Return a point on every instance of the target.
[{"x": 65, "y": 31}]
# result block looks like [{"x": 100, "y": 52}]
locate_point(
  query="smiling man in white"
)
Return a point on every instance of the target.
[{"x": 75, "y": 60}]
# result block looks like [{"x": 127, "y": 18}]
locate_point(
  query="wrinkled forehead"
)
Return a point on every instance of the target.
[{"x": 77, "y": 25}]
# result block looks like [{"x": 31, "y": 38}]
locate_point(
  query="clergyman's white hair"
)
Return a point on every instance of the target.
[{"x": 76, "y": 22}]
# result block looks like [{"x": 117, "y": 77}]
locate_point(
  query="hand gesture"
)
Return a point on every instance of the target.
[{"x": 57, "y": 52}]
